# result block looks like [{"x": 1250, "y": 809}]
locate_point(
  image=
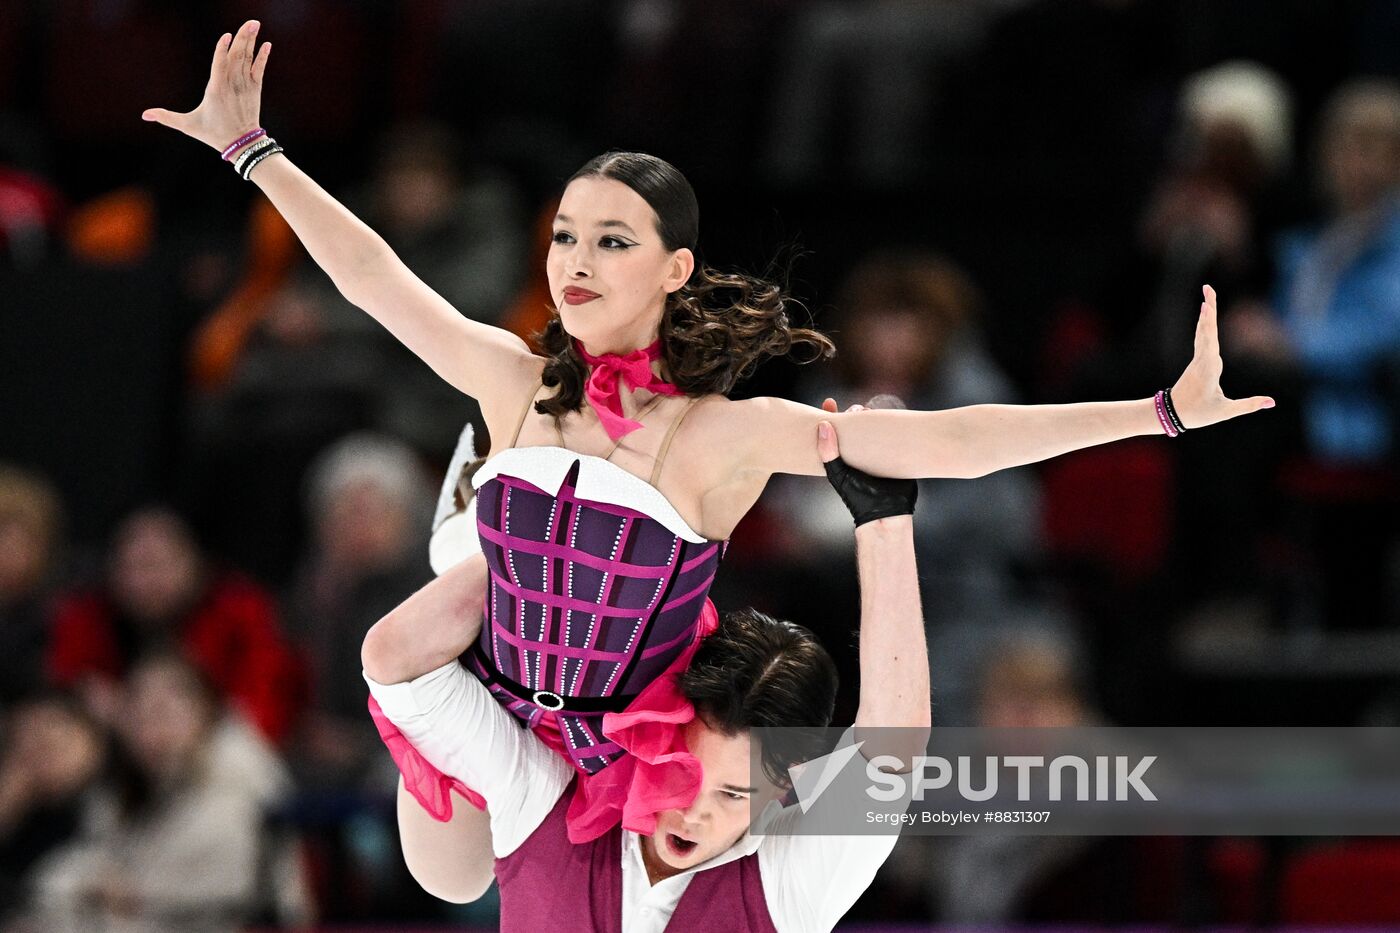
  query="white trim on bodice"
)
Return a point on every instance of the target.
[{"x": 599, "y": 480}]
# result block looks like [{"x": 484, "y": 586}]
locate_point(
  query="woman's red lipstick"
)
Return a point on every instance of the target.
[{"x": 577, "y": 296}]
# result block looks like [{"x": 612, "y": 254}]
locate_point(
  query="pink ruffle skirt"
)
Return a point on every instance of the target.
[{"x": 657, "y": 773}]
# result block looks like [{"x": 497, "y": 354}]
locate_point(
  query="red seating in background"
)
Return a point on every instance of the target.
[
  {"x": 1351, "y": 882},
  {"x": 1111, "y": 506}
]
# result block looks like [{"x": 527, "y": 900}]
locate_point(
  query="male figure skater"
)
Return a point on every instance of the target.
[{"x": 701, "y": 869}]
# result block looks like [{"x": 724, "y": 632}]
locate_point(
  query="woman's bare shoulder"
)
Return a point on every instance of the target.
[
  {"x": 520, "y": 383},
  {"x": 730, "y": 407},
  {"x": 743, "y": 413},
  {"x": 722, "y": 430}
]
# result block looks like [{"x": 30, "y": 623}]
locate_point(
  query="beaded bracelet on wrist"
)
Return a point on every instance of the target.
[
  {"x": 1171, "y": 411},
  {"x": 258, "y": 159},
  {"x": 251, "y": 150},
  {"x": 1160, "y": 406},
  {"x": 242, "y": 163},
  {"x": 243, "y": 140}
]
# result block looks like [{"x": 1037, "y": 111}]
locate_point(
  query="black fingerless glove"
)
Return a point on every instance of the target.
[{"x": 871, "y": 497}]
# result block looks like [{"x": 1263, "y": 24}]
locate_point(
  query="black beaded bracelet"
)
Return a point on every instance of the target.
[
  {"x": 257, "y": 159},
  {"x": 252, "y": 149},
  {"x": 1171, "y": 411}
]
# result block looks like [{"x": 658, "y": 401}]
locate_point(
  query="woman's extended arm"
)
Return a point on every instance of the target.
[
  {"x": 772, "y": 435},
  {"x": 489, "y": 364}
]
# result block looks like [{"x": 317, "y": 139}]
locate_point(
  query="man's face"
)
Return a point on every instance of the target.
[{"x": 719, "y": 816}]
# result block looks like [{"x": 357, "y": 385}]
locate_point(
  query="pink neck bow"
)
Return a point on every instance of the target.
[{"x": 604, "y": 387}]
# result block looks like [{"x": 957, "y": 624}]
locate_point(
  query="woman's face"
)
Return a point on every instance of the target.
[
  {"x": 166, "y": 719},
  {"x": 1362, "y": 157},
  {"x": 609, "y": 272},
  {"x": 23, "y": 558},
  {"x": 366, "y": 527},
  {"x": 154, "y": 571}
]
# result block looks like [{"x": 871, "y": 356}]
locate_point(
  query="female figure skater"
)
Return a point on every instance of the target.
[
  {"x": 699, "y": 868},
  {"x": 603, "y": 523}
]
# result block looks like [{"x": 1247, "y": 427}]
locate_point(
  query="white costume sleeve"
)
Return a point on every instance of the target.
[
  {"x": 811, "y": 880},
  {"x": 453, "y": 721}
]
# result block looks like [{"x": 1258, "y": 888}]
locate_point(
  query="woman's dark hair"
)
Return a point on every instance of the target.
[
  {"x": 755, "y": 672},
  {"x": 715, "y": 329}
]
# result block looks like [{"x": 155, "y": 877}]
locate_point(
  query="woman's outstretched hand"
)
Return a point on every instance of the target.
[
  {"x": 233, "y": 97},
  {"x": 1197, "y": 396}
]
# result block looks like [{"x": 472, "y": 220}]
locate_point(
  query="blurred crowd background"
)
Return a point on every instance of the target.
[{"x": 215, "y": 474}]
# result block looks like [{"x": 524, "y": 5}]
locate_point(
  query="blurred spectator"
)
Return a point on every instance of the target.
[
  {"x": 367, "y": 501},
  {"x": 272, "y": 250},
  {"x": 313, "y": 369},
  {"x": 30, "y": 524},
  {"x": 161, "y": 592},
  {"x": 460, "y": 227},
  {"x": 54, "y": 754},
  {"x": 1028, "y": 678},
  {"x": 178, "y": 842},
  {"x": 907, "y": 328},
  {"x": 289, "y": 365},
  {"x": 1338, "y": 295},
  {"x": 1033, "y": 679},
  {"x": 1337, "y": 327},
  {"x": 1218, "y": 205}
]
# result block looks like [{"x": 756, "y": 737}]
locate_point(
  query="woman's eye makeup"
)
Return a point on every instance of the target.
[{"x": 607, "y": 242}]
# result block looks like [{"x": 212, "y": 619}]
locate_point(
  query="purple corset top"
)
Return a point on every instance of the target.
[{"x": 596, "y": 586}]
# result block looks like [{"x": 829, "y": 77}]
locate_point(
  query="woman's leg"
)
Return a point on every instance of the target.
[{"x": 451, "y": 860}]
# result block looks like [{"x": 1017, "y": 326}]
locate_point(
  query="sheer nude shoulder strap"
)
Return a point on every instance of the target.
[
  {"x": 646, "y": 409},
  {"x": 529, "y": 406},
  {"x": 666, "y": 442}
]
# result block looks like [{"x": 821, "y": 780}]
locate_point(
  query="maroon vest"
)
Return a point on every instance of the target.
[{"x": 549, "y": 884}]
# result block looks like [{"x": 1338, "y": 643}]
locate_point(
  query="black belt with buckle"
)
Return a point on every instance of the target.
[{"x": 546, "y": 699}]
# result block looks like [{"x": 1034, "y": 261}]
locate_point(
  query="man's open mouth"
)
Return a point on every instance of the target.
[{"x": 679, "y": 846}]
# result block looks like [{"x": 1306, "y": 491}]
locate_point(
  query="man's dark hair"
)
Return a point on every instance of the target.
[{"x": 754, "y": 672}]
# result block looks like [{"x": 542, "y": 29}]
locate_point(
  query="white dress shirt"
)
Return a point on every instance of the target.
[{"x": 809, "y": 881}]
